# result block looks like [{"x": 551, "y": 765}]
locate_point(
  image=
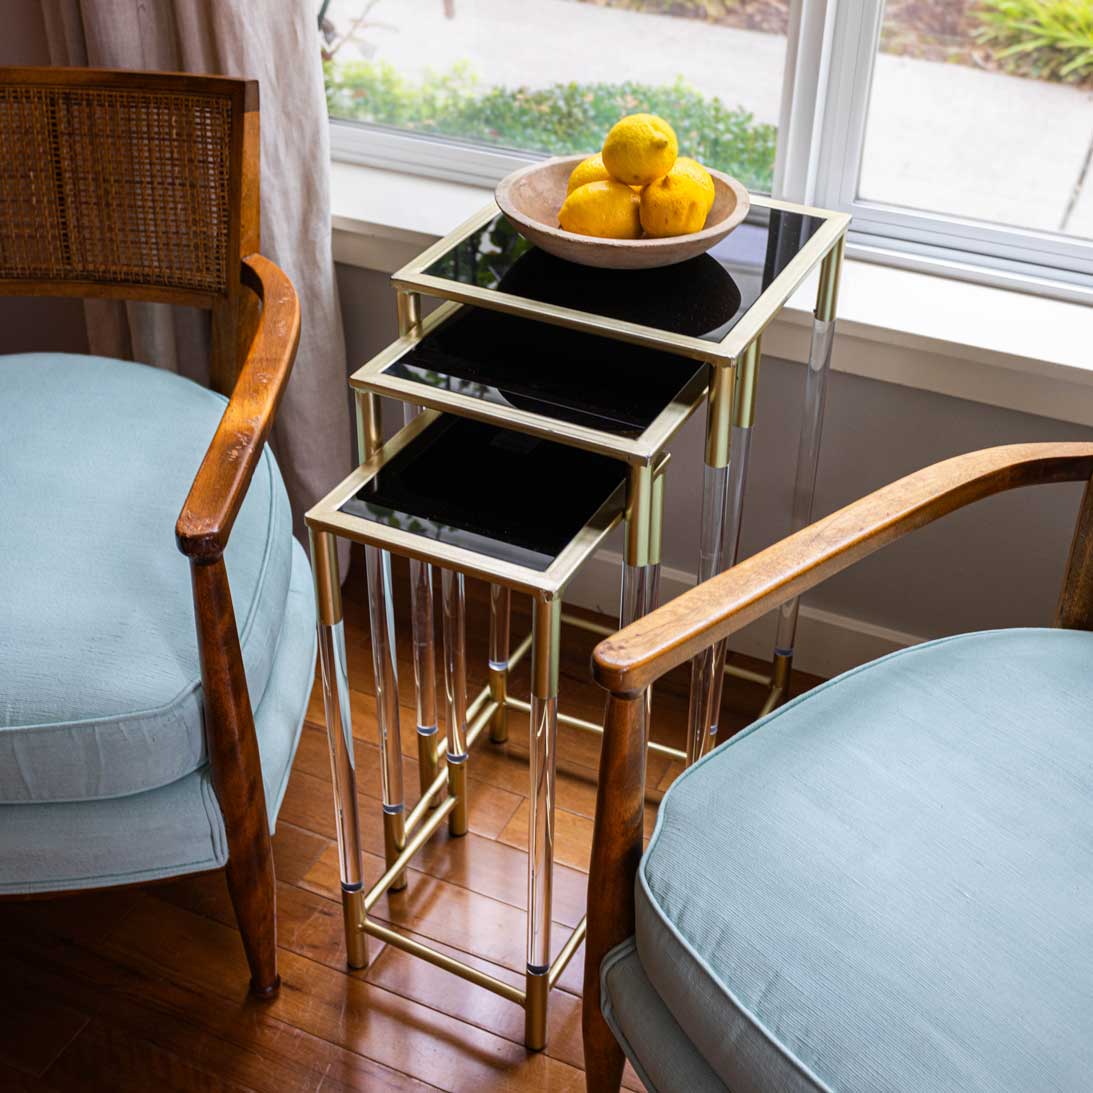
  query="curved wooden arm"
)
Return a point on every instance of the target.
[
  {"x": 642, "y": 652},
  {"x": 222, "y": 479}
]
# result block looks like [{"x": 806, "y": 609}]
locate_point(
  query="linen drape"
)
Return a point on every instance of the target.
[{"x": 275, "y": 42}]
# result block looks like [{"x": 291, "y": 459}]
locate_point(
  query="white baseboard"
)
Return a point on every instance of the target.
[{"x": 827, "y": 643}]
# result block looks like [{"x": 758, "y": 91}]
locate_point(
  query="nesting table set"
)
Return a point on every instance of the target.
[{"x": 539, "y": 401}]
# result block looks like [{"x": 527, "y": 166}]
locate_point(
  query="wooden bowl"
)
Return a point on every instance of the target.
[{"x": 531, "y": 197}]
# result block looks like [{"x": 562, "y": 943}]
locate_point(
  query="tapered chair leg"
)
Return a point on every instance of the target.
[{"x": 237, "y": 774}]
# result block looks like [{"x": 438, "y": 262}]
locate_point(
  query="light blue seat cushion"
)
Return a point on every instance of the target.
[
  {"x": 101, "y": 692},
  {"x": 177, "y": 828},
  {"x": 888, "y": 883}
]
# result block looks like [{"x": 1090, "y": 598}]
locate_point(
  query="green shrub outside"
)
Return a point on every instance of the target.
[
  {"x": 562, "y": 119},
  {"x": 1047, "y": 39}
]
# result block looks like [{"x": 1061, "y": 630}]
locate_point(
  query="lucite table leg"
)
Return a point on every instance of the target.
[
  {"x": 546, "y": 636},
  {"x": 455, "y": 689},
  {"x": 423, "y": 630},
  {"x": 377, "y": 564},
  {"x": 500, "y": 613},
  {"x": 711, "y": 544},
  {"x": 808, "y": 451},
  {"x": 743, "y": 418},
  {"x": 339, "y": 729}
]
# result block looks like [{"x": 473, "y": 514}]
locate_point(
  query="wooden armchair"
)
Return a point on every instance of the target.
[
  {"x": 145, "y": 187},
  {"x": 948, "y": 784}
]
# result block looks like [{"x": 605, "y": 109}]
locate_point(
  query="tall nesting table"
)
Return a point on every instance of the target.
[{"x": 609, "y": 362}]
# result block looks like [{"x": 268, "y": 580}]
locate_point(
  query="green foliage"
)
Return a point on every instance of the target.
[
  {"x": 1049, "y": 39},
  {"x": 561, "y": 119}
]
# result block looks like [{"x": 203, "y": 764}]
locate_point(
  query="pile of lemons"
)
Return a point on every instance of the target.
[{"x": 638, "y": 184}]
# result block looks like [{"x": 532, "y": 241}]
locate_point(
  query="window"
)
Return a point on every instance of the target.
[
  {"x": 547, "y": 77},
  {"x": 959, "y": 133}
]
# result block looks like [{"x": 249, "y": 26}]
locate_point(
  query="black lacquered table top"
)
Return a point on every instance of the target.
[
  {"x": 704, "y": 297},
  {"x": 552, "y": 371},
  {"x": 513, "y": 497}
]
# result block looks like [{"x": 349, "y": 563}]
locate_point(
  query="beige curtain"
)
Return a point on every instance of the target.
[{"x": 276, "y": 43}]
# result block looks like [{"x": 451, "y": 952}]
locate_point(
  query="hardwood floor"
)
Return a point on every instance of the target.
[{"x": 146, "y": 989}]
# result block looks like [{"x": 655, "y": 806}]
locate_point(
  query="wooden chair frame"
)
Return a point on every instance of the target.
[
  {"x": 634, "y": 658},
  {"x": 255, "y": 332}
]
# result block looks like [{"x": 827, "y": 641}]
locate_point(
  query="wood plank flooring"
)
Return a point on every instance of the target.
[{"x": 145, "y": 990}]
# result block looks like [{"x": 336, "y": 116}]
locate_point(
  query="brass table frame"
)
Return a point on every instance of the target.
[
  {"x": 405, "y": 833},
  {"x": 730, "y": 414}
]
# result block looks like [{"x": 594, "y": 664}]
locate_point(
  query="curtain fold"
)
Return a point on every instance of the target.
[{"x": 275, "y": 42}]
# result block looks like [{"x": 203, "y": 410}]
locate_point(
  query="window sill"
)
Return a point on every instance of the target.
[{"x": 969, "y": 341}]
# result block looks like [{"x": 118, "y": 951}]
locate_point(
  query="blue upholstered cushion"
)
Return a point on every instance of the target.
[
  {"x": 661, "y": 1054},
  {"x": 176, "y": 828},
  {"x": 101, "y": 692},
  {"x": 888, "y": 883}
]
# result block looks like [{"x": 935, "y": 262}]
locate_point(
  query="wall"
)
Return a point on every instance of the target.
[{"x": 998, "y": 563}]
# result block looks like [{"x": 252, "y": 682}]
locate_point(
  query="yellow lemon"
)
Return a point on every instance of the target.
[
  {"x": 673, "y": 205},
  {"x": 693, "y": 169},
  {"x": 639, "y": 149},
  {"x": 588, "y": 170},
  {"x": 607, "y": 209}
]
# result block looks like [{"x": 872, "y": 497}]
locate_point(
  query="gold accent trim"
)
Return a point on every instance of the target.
[
  {"x": 656, "y": 508},
  {"x": 546, "y": 623},
  {"x": 440, "y": 960},
  {"x": 413, "y": 845},
  {"x": 498, "y": 690},
  {"x": 639, "y": 504},
  {"x": 457, "y": 792},
  {"x": 373, "y": 377},
  {"x": 719, "y": 402},
  {"x": 752, "y": 324},
  {"x": 426, "y": 761},
  {"x": 369, "y": 425},
  {"x": 747, "y": 386},
  {"x": 353, "y": 917},
  {"x": 325, "y": 516},
  {"x": 566, "y": 955},
  {"x": 324, "y": 571},
  {"x": 536, "y": 991},
  {"x": 590, "y": 726},
  {"x": 408, "y": 311},
  {"x": 394, "y": 840},
  {"x": 827, "y": 295}
]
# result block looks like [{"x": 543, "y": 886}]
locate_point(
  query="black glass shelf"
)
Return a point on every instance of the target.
[
  {"x": 551, "y": 371},
  {"x": 507, "y": 495},
  {"x": 704, "y": 297}
]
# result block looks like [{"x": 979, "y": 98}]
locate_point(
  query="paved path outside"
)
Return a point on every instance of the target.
[{"x": 948, "y": 137}]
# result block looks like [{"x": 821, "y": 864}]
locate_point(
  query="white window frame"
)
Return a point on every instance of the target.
[
  {"x": 830, "y": 55},
  {"x": 1035, "y": 261}
]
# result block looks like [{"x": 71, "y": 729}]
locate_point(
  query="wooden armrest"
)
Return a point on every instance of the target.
[
  {"x": 222, "y": 479},
  {"x": 634, "y": 657}
]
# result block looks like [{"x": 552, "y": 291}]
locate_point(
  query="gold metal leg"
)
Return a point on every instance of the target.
[{"x": 356, "y": 939}]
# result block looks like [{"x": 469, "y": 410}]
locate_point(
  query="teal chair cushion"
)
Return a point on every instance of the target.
[
  {"x": 888, "y": 883},
  {"x": 101, "y": 692},
  {"x": 177, "y": 828}
]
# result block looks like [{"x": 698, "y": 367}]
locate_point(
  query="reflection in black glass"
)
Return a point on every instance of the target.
[
  {"x": 506, "y": 495},
  {"x": 704, "y": 297},
  {"x": 548, "y": 370}
]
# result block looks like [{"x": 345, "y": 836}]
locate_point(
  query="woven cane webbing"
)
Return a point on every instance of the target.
[{"x": 116, "y": 186}]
